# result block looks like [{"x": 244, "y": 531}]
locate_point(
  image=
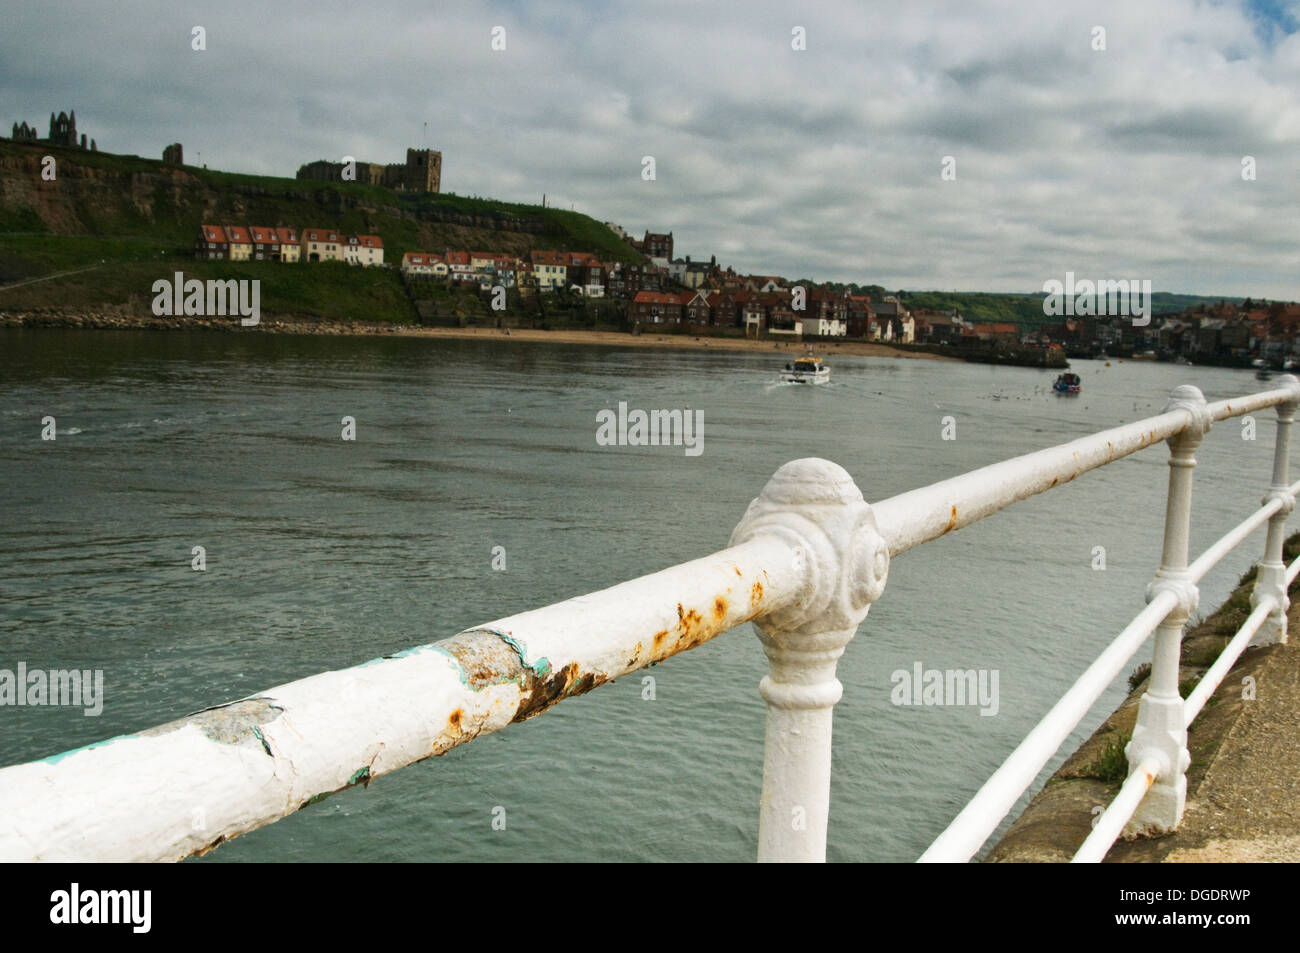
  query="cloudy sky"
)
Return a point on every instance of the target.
[{"x": 824, "y": 162}]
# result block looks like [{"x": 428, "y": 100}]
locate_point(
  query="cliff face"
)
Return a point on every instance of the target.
[
  {"x": 89, "y": 196},
  {"x": 101, "y": 194},
  {"x": 81, "y": 198}
]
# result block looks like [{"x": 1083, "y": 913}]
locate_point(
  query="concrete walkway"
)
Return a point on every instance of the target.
[{"x": 1243, "y": 787}]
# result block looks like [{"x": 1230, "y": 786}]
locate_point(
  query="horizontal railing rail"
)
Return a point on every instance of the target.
[
  {"x": 1164, "y": 716},
  {"x": 805, "y": 564},
  {"x": 187, "y": 786},
  {"x": 1110, "y": 824}
]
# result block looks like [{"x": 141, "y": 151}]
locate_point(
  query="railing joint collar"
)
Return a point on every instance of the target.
[
  {"x": 1183, "y": 588},
  {"x": 1190, "y": 399},
  {"x": 1280, "y": 493},
  {"x": 817, "y": 509}
]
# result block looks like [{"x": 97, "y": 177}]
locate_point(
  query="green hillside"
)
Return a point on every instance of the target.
[{"x": 138, "y": 219}]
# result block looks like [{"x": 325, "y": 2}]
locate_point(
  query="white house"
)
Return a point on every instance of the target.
[
  {"x": 363, "y": 250},
  {"x": 424, "y": 264}
]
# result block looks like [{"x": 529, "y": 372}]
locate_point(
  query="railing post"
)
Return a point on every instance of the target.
[
  {"x": 814, "y": 505},
  {"x": 1270, "y": 574},
  {"x": 1160, "y": 732}
]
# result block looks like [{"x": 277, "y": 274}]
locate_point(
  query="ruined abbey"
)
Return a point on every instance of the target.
[
  {"x": 421, "y": 172},
  {"x": 63, "y": 132}
]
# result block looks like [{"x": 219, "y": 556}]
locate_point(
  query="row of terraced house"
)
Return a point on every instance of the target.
[
  {"x": 761, "y": 304},
  {"x": 546, "y": 271},
  {"x": 764, "y": 307},
  {"x": 1225, "y": 331},
  {"x": 255, "y": 243}
]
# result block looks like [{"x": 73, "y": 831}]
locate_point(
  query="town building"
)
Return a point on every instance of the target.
[
  {"x": 364, "y": 250},
  {"x": 764, "y": 283},
  {"x": 241, "y": 243},
  {"x": 782, "y": 321},
  {"x": 655, "y": 307},
  {"x": 696, "y": 309},
  {"x": 493, "y": 269},
  {"x": 212, "y": 243},
  {"x": 290, "y": 250},
  {"x": 422, "y": 264},
  {"x": 524, "y": 279},
  {"x": 585, "y": 272},
  {"x": 697, "y": 273},
  {"x": 858, "y": 315},
  {"x": 266, "y": 243},
  {"x": 725, "y": 311},
  {"x": 458, "y": 266},
  {"x": 238, "y": 243},
  {"x": 322, "y": 244},
  {"x": 656, "y": 245},
  {"x": 549, "y": 269}
]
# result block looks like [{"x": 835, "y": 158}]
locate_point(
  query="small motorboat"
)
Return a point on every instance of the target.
[
  {"x": 806, "y": 370},
  {"x": 1068, "y": 384}
]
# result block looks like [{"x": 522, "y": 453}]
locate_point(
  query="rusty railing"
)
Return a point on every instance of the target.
[{"x": 805, "y": 564}]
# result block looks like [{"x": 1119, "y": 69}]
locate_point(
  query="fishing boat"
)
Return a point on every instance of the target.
[
  {"x": 806, "y": 370},
  {"x": 1068, "y": 384}
]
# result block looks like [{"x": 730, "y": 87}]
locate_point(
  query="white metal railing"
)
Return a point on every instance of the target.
[
  {"x": 805, "y": 564},
  {"x": 1157, "y": 754}
]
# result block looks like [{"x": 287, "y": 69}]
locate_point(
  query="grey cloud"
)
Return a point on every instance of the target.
[{"x": 820, "y": 163}]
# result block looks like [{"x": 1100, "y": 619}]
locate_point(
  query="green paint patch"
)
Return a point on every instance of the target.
[
  {"x": 260, "y": 737},
  {"x": 56, "y": 758},
  {"x": 542, "y": 667},
  {"x": 359, "y": 776}
]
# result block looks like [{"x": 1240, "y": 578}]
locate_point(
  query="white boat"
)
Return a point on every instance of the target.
[{"x": 806, "y": 370}]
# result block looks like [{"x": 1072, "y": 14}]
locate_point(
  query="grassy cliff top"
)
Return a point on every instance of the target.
[{"x": 106, "y": 195}]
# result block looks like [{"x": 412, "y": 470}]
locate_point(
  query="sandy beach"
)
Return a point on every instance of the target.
[
  {"x": 671, "y": 341},
  {"x": 123, "y": 319}
]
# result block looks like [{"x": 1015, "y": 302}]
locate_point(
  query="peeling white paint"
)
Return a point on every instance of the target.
[{"x": 808, "y": 560}]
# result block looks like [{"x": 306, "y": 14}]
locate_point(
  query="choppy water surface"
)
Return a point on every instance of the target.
[{"x": 323, "y": 553}]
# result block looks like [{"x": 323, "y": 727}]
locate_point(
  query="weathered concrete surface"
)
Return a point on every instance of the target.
[{"x": 1241, "y": 788}]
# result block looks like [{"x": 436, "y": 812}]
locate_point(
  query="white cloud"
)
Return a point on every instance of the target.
[{"x": 820, "y": 163}]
